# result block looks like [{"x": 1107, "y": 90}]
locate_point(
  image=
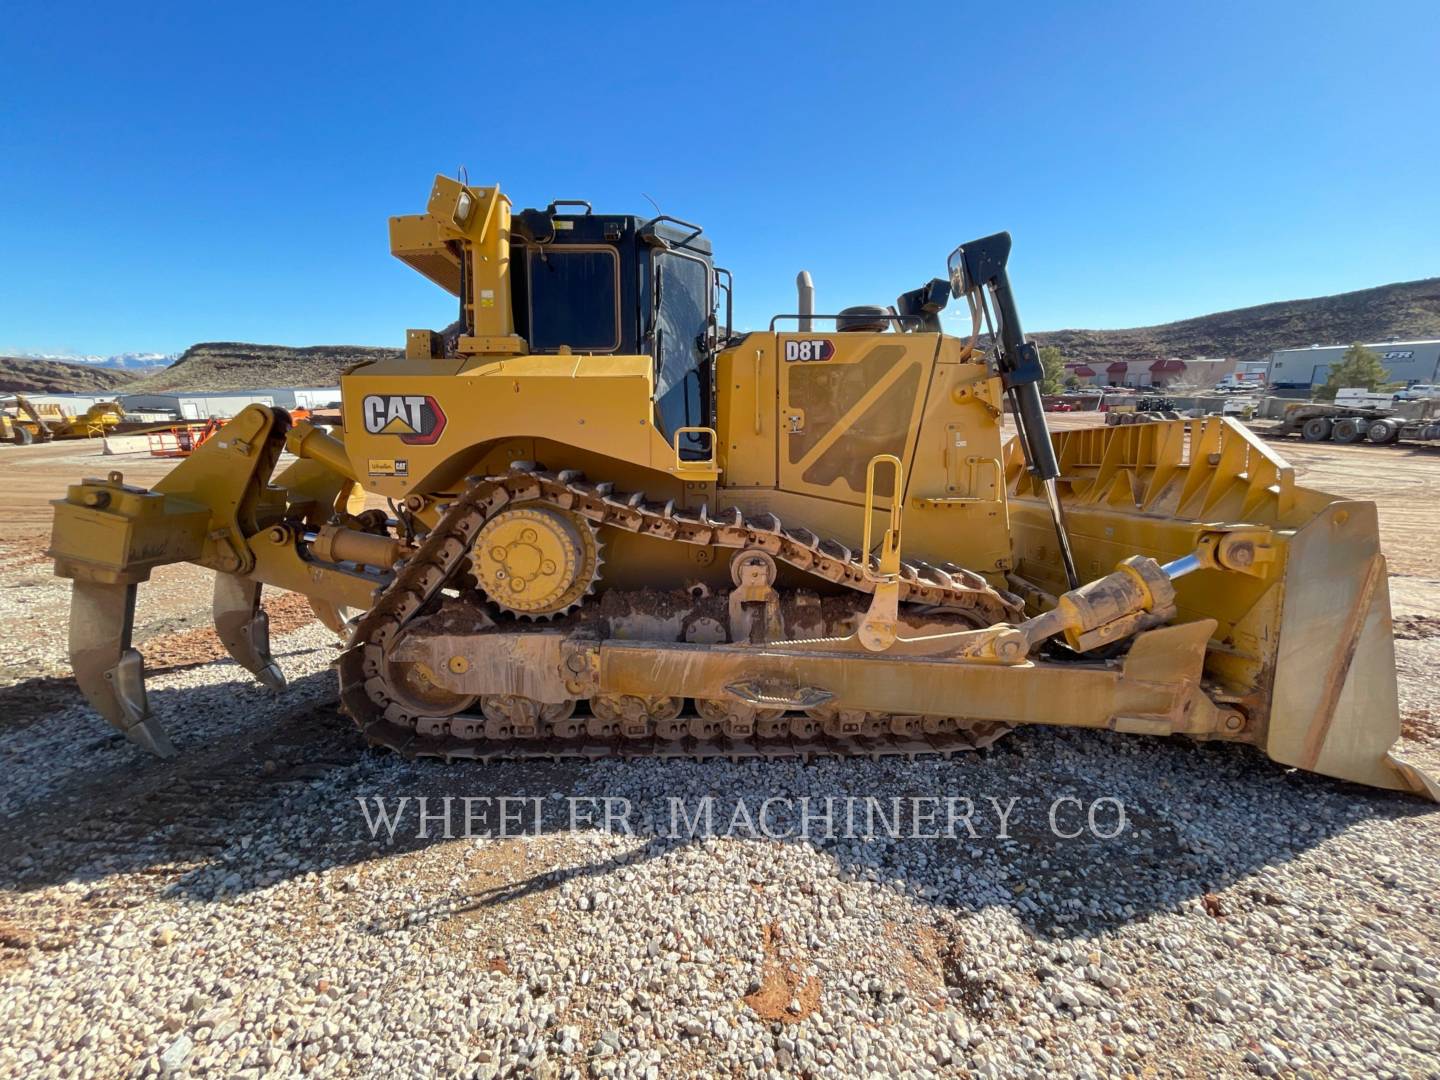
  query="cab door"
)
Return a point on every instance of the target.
[{"x": 843, "y": 398}]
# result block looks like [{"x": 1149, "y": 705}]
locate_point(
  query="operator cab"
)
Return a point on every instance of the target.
[{"x": 608, "y": 283}]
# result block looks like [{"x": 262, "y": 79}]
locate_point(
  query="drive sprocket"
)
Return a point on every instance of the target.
[{"x": 536, "y": 560}]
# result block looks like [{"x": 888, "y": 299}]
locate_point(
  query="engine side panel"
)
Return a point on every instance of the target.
[
  {"x": 411, "y": 428},
  {"x": 802, "y": 414}
]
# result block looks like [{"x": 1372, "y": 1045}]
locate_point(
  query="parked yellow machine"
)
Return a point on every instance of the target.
[
  {"x": 99, "y": 419},
  {"x": 23, "y": 421},
  {"x": 615, "y": 526}
]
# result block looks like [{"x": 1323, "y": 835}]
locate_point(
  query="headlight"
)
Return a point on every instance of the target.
[{"x": 463, "y": 206}]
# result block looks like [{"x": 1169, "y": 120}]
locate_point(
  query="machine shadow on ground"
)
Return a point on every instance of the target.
[{"x": 302, "y": 773}]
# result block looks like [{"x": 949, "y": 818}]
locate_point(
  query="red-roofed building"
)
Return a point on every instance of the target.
[
  {"x": 1082, "y": 373},
  {"x": 1165, "y": 372},
  {"x": 1199, "y": 373}
]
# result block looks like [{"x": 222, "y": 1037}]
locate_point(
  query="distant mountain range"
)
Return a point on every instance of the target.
[
  {"x": 236, "y": 365},
  {"x": 132, "y": 361},
  {"x": 28, "y": 375},
  {"x": 1407, "y": 310}
]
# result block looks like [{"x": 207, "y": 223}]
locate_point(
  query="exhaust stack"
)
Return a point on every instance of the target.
[{"x": 805, "y": 287}]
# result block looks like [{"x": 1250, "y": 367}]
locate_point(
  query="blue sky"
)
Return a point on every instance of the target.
[{"x": 213, "y": 172}]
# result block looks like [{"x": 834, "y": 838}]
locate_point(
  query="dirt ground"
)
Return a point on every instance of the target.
[
  {"x": 34, "y": 475},
  {"x": 1403, "y": 481}
]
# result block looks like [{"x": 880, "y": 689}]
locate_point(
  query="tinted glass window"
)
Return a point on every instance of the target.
[
  {"x": 573, "y": 299},
  {"x": 684, "y": 311},
  {"x": 682, "y": 383}
]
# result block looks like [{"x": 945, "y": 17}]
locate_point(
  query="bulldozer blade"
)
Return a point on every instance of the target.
[
  {"x": 1335, "y": 708},
  {"x": 1304, "y": 645},
  {"x": 244, "y": 628},
  {"x": 111, "y": 673}
]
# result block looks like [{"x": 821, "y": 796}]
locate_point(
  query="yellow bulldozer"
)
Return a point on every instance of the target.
[{"x": 601, "y": 521}]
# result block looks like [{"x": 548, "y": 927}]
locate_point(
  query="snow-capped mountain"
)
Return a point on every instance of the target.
[{"x": 130, "y": 361}]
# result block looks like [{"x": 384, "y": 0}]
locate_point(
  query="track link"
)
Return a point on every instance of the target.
[{"x": 368, "y": 698}]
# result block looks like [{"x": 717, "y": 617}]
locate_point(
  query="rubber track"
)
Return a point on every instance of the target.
[{"x": 384, "y": 722}]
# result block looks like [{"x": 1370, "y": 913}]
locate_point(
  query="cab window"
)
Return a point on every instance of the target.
[{"x": 574, "y": 299}]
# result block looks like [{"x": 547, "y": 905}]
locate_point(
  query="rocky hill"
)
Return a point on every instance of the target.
[
  {"x": 230, "y": 365},
  {"x": 1389, "y": 312},
  {"x": 21, "y": 374}
]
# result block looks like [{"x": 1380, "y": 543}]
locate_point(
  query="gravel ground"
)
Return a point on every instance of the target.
[{"x": 232, "y": 913}]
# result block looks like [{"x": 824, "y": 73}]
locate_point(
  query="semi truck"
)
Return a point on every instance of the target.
[{"x": 1360, "y": 415}]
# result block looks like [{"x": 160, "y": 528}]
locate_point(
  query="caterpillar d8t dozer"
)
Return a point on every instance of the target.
[{"x": 603, "y": 523}]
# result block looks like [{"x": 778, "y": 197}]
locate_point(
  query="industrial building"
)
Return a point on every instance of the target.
[
  {"x": 1296, "y": 372},
  {"x": 1199, "y": 373},
  {"x": 196, "y": 406}
]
